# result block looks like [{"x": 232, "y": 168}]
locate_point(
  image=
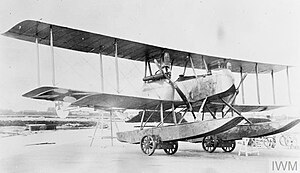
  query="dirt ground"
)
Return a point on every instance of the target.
[{"x": 70, "y": 151}]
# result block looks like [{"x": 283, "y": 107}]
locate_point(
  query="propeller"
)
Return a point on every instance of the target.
[
  {"x": 233, "y": 97},
  {"x": 178, "y": 90}
]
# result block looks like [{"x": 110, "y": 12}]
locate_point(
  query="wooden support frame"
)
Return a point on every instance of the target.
[
  {"x": 97, "y": 125},
  {"x": 111, "y": 128}
]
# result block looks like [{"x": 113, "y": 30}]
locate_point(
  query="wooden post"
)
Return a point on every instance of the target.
[
  {"x": 111, "y": 128},
  {"x": 288, "y": 83},
  {"x": 243, "y": 93},
  {"x": 97, "y": 125},
  {"x": 38, "y": 61},
  {"x": 102, "y": 125},
  {"x": 273, "y": 87},
  {"x": 257, "y": 83},
  {"x": 101, "y": 72},
  {"x": 52, "y": 56},
  {"x": 117, "y": 66}
]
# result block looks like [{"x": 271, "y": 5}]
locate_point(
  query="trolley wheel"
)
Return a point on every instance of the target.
[
  {"x": 172, "y": 150},
  {"x": 148, "y": 145},
  {"x": 282, "y": 140},
  {"x": 230, "y": 148},
  {"x": 209, "y": 143},
  {"x": 270, "y": 142}
]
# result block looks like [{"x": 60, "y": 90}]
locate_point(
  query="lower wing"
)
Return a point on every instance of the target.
[{"x": 98, "y": 100}]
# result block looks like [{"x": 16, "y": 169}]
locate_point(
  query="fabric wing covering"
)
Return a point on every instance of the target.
[{"x": 83, "y": 41}]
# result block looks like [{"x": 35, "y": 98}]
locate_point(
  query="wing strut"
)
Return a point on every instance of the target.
[
  {"x": 52, "y": 55},
  {"x": 236, "y": 111},
  {"x": 38, "y": 62}
]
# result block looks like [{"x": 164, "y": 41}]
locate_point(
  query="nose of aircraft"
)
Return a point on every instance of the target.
[{"x": 225, "y": 80}]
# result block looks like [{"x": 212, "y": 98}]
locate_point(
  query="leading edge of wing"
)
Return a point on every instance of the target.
[
  {"x": 89, "y": 42},
  {"x": 98, "y": 100},
  {"x": 108, "y": 101}
]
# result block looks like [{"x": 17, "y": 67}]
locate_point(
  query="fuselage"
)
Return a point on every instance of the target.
[{"x": 194, "y": 88}]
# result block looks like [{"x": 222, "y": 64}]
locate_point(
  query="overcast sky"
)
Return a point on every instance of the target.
[{"x": 262, "y": 31}]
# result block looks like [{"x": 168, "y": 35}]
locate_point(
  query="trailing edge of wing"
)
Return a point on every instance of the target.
[{"x": 83, "y": 41}]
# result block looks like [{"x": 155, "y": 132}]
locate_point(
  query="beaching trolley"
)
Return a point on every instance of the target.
[{"x": 166, "y": 137}]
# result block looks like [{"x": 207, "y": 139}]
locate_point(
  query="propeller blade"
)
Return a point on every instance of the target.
[
  {"x": 178, "y": 90},
  {"x": 233, "y": 97}
]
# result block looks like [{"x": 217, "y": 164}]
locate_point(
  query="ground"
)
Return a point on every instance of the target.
[{"x": 70, "y": 151}]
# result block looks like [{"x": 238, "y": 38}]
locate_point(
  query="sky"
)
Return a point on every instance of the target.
[{"x": 261, "y": 31}]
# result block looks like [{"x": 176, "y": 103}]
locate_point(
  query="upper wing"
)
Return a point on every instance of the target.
[
  {"x": 99, "y": 100},
  {"x": 83, "y": 41}
]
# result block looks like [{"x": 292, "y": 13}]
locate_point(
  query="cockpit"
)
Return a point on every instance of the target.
[
  {"x": 165, "y": 63},
  {"x": 164, "y": 71}
]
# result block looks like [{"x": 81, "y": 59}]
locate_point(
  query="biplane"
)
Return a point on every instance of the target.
[{"x": 163, "y": 100}]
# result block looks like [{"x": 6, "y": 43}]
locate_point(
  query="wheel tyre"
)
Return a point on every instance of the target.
[
  {"x": 209, "y": 144},
  {"x": 273, "y": 142},
  {"x": 173, "y": 150},
  {"x": 148, "y": 145},
  {"x": 231, "y": 148},
  {"x": 282, "y": 141},
  {"x": 268, "y": 142}
]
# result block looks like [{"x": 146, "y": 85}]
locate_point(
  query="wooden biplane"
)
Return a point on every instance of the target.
[{"x": 162, "y": 97}]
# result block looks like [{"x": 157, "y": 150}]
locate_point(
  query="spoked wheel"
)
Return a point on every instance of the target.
[
  {"x": 209, "y": 143},
  {"x": 172, "y": 150},
  {"x": 230, "y": 146},
  {"x": 270, "y": 142},
  {"x": 148, "y": 145},
  {"x": 282, "y": 140}
]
